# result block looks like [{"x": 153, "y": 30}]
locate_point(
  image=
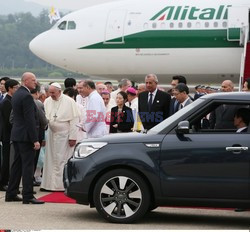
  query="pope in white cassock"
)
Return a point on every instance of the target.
[{"x": 63, "y": 116}]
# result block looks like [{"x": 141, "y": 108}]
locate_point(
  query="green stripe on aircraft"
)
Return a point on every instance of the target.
[{"x": 169, "y": 39}]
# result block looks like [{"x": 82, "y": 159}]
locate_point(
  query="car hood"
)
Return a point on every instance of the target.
[{"x": 128, "y": 138}]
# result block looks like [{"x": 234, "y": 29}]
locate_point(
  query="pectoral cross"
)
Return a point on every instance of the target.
[{"x": 55, "y": 116}]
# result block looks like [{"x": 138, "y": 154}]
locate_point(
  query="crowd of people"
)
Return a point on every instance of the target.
[{"x": 41, "y": 124}]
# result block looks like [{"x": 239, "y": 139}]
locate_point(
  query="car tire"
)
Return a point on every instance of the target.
[{"x": 121, "y": 196}]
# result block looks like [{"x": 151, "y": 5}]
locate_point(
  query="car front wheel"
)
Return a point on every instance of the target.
[{"x": 121, "y": 196}]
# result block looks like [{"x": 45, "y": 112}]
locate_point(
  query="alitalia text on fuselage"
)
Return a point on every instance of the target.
[{"x": 191, "y": 13}]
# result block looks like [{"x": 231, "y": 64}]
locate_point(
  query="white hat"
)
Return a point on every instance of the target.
[{"x": 57, "y": 85}]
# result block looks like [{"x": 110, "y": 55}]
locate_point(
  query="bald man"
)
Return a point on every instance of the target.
[
  {"x": 227, "y": 86},
  {"x": 153, "y": 103},
  {"x": 223, "y": 116},
  {"x": 25, "y": 140}
]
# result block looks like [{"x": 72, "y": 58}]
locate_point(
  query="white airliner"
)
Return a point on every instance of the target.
[{"x": 203, "y": 40}]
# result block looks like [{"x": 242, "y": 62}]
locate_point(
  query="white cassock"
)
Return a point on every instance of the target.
[
  {"x": 81, "y": 134},
  {"x": 63, "y": 116},
  {"x": 114, "y": 94},
  {"x": 95, "y": 125}
]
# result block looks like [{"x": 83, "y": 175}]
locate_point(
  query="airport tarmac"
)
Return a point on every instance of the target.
[{"x": 52, "y": 216}]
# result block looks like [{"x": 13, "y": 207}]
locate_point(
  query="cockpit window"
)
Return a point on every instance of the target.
[
  {"x": 62, "y": 25},
  {"x": 71, "y": 25},
  {"x": 67, "y": 25}
]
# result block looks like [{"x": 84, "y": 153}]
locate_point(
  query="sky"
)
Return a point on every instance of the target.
[
  {"x": 36, "y": 6},
  {"x": 69, "y": 4}
]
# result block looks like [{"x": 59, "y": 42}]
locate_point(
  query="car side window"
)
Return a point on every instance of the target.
[{"x": 216, "y": 118}]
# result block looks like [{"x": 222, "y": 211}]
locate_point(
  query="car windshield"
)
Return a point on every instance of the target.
[{"x": 171, "y": 119}]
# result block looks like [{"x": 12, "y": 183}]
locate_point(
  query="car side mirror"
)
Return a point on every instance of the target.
[{"x": 183, "y": 127}]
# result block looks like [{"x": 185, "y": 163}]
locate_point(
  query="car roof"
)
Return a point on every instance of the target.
[{"x": 227, "y": 96}]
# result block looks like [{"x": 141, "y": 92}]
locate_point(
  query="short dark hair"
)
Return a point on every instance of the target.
[
  {"x": 71, "y": 92},
  {"x": 243, "y": 113},
  {"x": 89, "y": 83},
  {"x": 108, "y": 83},
  {"x": 10, "y": 83},
  {"x": 181, "y": 79},
  {"x": 124, "y": 95},
  {"x": 181, "y": 87},
  {"x": 69, "y": 82},
  {"x": 4, "y": 78},
  {"x": 37, "y": 89}
]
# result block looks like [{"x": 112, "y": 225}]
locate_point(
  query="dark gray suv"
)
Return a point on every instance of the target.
[{"x": 180, "y": 162}]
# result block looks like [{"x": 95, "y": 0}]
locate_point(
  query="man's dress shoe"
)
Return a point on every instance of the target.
[
  {"x": 15, "y": 198},
  {"x": 240, "y": 210},
  {"x": 35, "y": 183},
  {"x": 33, "y": 201}
]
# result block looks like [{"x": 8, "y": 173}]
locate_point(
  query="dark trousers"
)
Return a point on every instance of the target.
[
  {"x": 37, "y": 157},
  {"x": 23, "y": 166},
  {"x": 5, "y": 163},
  {"x": 0, "y": 159}
]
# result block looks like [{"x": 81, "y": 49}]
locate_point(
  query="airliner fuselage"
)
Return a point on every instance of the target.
[{"x": 196, "y": 38}]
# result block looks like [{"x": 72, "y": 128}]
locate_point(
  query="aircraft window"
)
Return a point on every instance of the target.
[
  {"x": 180, "y": 25},
  {"x": 71, "y": 25},
  {"x": 198, "y": 25},
  {"x": 62, "y": 25},
  {"x": 154, "y": 25},
  {"x": 171, "y": 25},
  {"x": 215, "y": 24},
  {"x": 224, "y": 24},
  {"x": 129, "y": 22},
  {"x": 163, "y": 25},
  {"x": 189, "y": 24},
  {"x": 145, "y": 25},
  {"x": 206, "y": 24}
]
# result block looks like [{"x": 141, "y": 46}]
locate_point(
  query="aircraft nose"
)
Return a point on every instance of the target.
[{"x": 36, "y": 45}]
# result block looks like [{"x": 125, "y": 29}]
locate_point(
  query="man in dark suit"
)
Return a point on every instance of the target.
[
  {"x": 5, "y": 109},
  {"x": 181, "y": 92},
  {"x": 174, "y": 104},
  {"x": 43, "y": 122},
  {"x": 153, "y": 104},
  {"x": 242, "y": 119},
  {"x": 2, "y": 96},
  {"x": 223, "y": 116},
  {"x": 24, "y": 135}
]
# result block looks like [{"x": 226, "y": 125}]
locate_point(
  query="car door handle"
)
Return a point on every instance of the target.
[{"x": 236, "y": 148}]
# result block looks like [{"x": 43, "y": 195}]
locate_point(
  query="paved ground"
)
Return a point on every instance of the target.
[{"x": 14, "y": 215}]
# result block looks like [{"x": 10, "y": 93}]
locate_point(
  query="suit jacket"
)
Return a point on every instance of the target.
[
  {"x": 223, "y": 117},
  {"x": 174, "y": 106},
  {"x": 126, "y": 120},
  {"x": 5, "y": 110},
  {"x": 43, "y": 121},
  {"x": 25, "y": 121},
  {"x": 244, "y": 131},
  {"x": 159, "y": 109},
  {"x": 189, "y": 101}
]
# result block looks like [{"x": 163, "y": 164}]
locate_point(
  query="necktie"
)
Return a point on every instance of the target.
[
  {"x": 150, "y": 102},
  {"x": 1, "y": 97}
]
